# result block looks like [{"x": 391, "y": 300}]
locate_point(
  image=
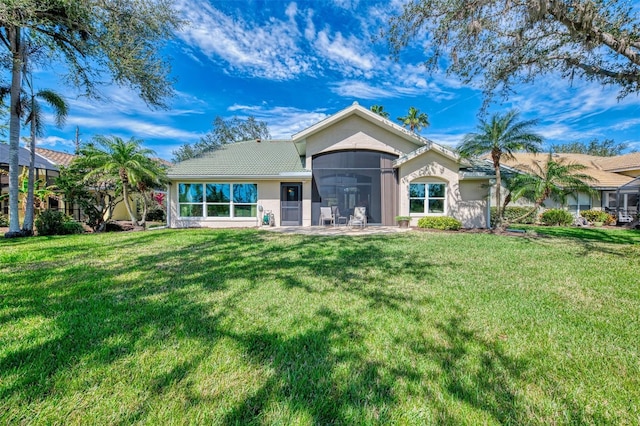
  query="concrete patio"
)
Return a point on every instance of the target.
[{"x": 336, "y": 230}]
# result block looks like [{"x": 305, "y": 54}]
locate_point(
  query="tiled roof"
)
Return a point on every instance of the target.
[
  {"x": 56, "y": 157},
  {"x": 24, "y": 158},
  {"x": 241, "y": 159},
  {"x": 603, "y": 178},
  {"x": 620, "y": 162}
]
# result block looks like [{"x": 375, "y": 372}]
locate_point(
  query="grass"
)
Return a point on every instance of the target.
[{"x": 250, "y": 327}]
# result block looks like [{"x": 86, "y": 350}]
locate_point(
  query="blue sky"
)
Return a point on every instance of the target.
[{"x": 291, "y": 64}]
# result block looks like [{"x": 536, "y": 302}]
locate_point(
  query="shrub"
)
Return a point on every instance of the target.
[
  {"x": 4, "y": 220},
  {"x": 156, "y": 215},
  {"x": 439, "y": 222},
  {"x": 49, "y": 222},
  {"x": 113, "y": 227},
  {"x": 53, "y": 222},
  {"x": 513, "y": 212},
  {"x": 72, "y": 227},
  {"x": 598, "y": 216},
  {"x": 557, "y": 217}
]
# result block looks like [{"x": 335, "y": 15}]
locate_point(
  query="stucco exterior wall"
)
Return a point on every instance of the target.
[
  {"x": 465, "y": 200},
  {"x": 356, "y": 133},
  {"x": 268, "y": 198}
]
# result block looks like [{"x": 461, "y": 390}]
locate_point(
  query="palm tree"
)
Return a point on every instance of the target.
[
  {"x": 33, "y": 110},
  {"x": 501, "y": 136},
  {"x": 415, "y": 120},
  {"x": 127, "y": 163},
  {"x": 553, "y": 179},
  {"x": 379, "y": 109}
]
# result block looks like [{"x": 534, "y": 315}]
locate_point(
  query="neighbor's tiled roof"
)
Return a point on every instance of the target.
[
  {"x": 620, "y": 162},
  {"x": 603, "y": 178},
  {"x": 249, "y": 158},
  {"x": 56, "y": 157}
]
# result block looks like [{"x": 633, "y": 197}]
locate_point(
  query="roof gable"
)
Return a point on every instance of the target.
[{"x": 355, "y": 109}]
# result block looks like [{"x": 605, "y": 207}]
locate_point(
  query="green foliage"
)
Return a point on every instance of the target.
[
  {"x": 551, "y": 179},
  {"x": 155, "y": 215},
  {"x": 127, "y": 163},
  {"x": 4, "y": 220},
  {"x": 54, "y": 222},
  {"x": 95, "y": 195},
  {"x": 439, "y": 222},
  {"x": 379, "y": 109},
  {"x": 414, "y": 120},
  {"x": 606, "y": 148},
  {"x": 224, "y": 132},
  {"x": 556, "y": 217},
  {"x": 500, "y": 136},
  {"x": 514, "y": 214},
  {"x": 72, "y": 227},
  {"x": 497, "y": 44},
  {"x": 598, "y": 216}
]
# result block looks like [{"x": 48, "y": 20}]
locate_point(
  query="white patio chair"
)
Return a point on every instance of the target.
[
  {"x": 326, "y": 215},
  {"x": 358, "y": 218}
]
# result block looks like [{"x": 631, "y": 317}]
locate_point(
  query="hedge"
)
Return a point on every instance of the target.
[{"x": 439, "y": 222}]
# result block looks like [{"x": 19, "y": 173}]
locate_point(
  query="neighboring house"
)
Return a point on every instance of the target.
[
  {"x": 48, "y": 163},
  {"x": 45, "y": 170},
  {"x": 354, "y": 158},
  {"x": 616, "y": 181}
]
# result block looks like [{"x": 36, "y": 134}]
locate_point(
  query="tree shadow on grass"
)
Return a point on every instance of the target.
[
  {"x": 477, "y": 373},
  {"x": 104, "y": 311},
  {"x": 321, "y": 375}
]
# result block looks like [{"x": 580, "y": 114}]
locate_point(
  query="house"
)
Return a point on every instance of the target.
[
  {"x": 45, "y": 170},
  {"x": 616, "y": 181},
  {"x": 354, "y": 158},
  {"x": 48, "y": 163}
]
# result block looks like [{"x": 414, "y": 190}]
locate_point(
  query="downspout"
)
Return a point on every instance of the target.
[{"x": 169, "y": 204}]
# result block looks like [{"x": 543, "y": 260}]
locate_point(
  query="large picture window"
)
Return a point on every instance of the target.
[
  {"x": 218, "y": 199},
  {"x": 427, "y": 198}
]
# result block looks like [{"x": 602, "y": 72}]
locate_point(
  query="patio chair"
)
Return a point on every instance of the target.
[
  {"x": 358, "y": 218},
  {"x": 624, "y": 217},
  {"x": 326, "y": 215}
]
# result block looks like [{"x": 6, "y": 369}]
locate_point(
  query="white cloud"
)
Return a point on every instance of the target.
[
  {"x": 283, "y": 122},
  {"x": 348, "y": 54},
  {"x": 268, "y": 51},
  {"x": 55, "y": 141},
  {"x": 450, "y": 140},
  {"x": 360, "y": 90},
  {"x": 347, "y": 4}
]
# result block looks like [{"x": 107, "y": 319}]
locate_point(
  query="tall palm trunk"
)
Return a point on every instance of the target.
[
  {"x": 27, "y": 226},
  {"x": 496, "y": 164},
  {"x": 17, "y": 54},
  {"x": 125, "y": 195}
]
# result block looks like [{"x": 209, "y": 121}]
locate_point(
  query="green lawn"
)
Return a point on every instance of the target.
[{"x": 251, "y": 327}]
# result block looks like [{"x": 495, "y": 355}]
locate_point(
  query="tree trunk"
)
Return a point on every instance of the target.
[
  {"x": 496, "y": 164},
  {"x": 17, "y": 54},
  {"x": 127, "y": 204},
  {"x": 27, "y": 226}
]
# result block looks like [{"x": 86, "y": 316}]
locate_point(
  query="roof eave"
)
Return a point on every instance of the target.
[
  {"x": 280, "y": 176},
  {"x": 361, "y": 112}
]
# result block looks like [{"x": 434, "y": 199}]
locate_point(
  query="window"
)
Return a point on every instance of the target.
[
  {"x": 579, "y": 202},
  {"x": 427, "y": 198},
  {"x": 218, "y": 199}
]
